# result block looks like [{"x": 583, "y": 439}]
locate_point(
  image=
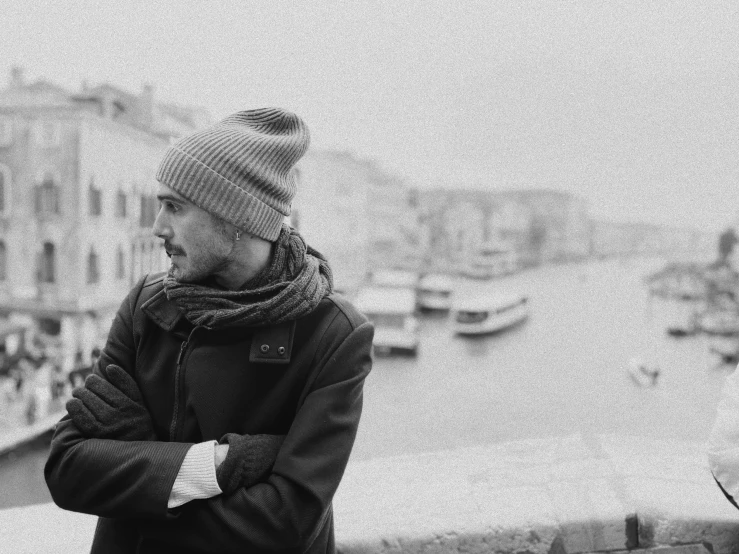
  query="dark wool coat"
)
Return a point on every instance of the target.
[{"x": 199, "y": 384}]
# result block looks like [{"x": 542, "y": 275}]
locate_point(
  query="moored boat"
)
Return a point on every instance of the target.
[
  {"x": 392, "y": 310},
  {"x": 719, "y": 322},
  {"x": 642, "y": 374},
  {"x": 491, "y": 261},
  {"x": 726, "y": 347},
  {"x": 435, "y": 291},
  {"x": 476, "y": 314}
]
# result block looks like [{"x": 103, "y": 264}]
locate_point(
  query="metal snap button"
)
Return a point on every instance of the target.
[
  {"x": 264, "y": 348},
  {"x": 281, "y": 350}
]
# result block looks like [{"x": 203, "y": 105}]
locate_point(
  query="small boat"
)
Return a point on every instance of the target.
[
  {"x": 681, "y": 331},
  {"x": 491, "y": 261},
  {"x": 678, "y": 281},
  {"x": 435, "y": 291},
  {"x": 642, "y": 374},
  {"x": 726, "y": 347},
  {"x": 686, "y": 328},
  {"x": 392, "y": 310},
  {"x": 488, "y": 312},
  {"x": 680, "y": 318},
  {"x": 719, "y": 322}
]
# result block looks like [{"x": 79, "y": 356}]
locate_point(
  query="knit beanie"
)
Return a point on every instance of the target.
[{"x": 240, "y": 169}]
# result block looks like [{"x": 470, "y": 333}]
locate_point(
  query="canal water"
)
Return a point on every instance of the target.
[{"x": 563, "y": 371}]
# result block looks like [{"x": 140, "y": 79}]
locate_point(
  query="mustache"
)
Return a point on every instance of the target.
[{"x": 173, "y": 250}]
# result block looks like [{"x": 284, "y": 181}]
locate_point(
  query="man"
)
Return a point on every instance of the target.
[
  {"x": 722, "y": 446},
  {"x": 224, "y": 406}
]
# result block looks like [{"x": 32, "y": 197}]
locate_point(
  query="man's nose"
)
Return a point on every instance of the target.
[{"x": 161, "y": 227}]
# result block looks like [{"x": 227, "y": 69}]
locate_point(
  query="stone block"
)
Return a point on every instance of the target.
[
  {"x": 676, "y": 512},
  {"x": 677, "y": 549},
  {"x": 590, "y": 516},
  {"x": 45, "y": 528},
  {"x": 634, "y": 456},
  {"x": 532, "y": 540}
]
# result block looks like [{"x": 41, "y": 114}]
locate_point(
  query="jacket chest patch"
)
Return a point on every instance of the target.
[{"x": 273, "y": 345}]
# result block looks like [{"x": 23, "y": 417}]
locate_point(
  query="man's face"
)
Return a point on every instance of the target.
[{"x": 196, "y": 242}]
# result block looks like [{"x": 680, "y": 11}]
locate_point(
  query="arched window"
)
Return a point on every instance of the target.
[
  {"x": 47, "y": 264},
  {"x": 93, "y": 273},
  {"x": 133, "y": 257},
  {"x": 3, "y": 261},
  {"x": 121, "y": 204},
  {"x": 47, "y": 194},
  {"x": 48, "y": 133},
  {"x": 6, "y": 131},
  {"x": 95, "y": 200},
  {"x": 120, "y": 266},
  {"x": 5, "y": 185}
]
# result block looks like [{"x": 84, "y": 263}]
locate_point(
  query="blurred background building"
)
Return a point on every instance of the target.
[
  {"x": 77, "y": 206},
  {"x": 356, "y": 214},
  {"x": 77, "y": 203}
]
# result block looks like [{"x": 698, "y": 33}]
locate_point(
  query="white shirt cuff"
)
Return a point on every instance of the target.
[{"x": 197, "y": 476}]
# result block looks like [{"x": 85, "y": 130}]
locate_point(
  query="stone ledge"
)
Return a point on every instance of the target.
[{"x": 561, "y": 496}]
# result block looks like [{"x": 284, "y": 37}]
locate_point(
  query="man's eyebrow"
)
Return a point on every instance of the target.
[{"x": 171, "y": 198}]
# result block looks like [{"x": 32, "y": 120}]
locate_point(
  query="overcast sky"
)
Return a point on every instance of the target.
[{"x": 633, "y": 105}]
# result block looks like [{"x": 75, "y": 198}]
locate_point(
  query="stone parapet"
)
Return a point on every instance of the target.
[{"x": 566, "y": 495}]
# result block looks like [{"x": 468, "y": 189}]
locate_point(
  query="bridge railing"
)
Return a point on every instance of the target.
[{"x": 560, "y": 495}]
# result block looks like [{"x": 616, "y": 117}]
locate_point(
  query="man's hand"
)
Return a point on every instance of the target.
[
  {"x": 248, "y": 460},
  {"x": 112, "y": 409}
]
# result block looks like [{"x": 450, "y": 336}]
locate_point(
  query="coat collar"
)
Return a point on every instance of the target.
[
  {"x": 270, "y": 345},
  {"x": 162, "y": 311}
]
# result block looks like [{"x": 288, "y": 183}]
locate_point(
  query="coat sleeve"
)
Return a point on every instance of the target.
[
  {"x": 723, "y": 441},
  {"x": 106, "y": 477},
  {"x": 286, "y": 512}
]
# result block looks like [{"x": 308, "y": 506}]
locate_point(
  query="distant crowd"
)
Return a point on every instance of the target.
[{"x": 33, "y": 384}]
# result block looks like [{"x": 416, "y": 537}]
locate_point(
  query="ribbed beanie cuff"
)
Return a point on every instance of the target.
[{"x": 240, "y": 169}]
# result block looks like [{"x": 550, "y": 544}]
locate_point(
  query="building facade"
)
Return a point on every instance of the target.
[
  {"x": 360, "y": 217},
  {"x": 76, "y": 206},
  {"x": 613, "y": 238},
  {"x": 538, "y": 225}
]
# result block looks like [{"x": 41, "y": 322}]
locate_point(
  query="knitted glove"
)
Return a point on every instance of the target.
[
  {"x": 249, "y": 460},
  {"x": 112, "y": 409}
]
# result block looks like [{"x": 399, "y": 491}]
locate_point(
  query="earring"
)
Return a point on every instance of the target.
[{"x": 238, "y": 234}]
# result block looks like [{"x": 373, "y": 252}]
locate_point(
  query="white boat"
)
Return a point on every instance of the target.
[
  {"x": 726, "y": 347},
  {"x": 719, "y": 322},
  {"x": 392, "y": 310},
  {"x": 401, "y": 278},
  {"x": 642, "y": 374},
  {"x": 492, "y": 260},
  {"x": 487, "y": 312},
  {"x": 682, "y": 317},
  {"x": 435, "y": 291}
]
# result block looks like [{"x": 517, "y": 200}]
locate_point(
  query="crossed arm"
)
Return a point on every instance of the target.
[
  {"x": 132, "y": 479},
  {"x": 112, "y": 407}
]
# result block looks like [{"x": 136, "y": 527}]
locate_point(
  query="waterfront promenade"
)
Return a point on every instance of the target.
[{"x": 571, "y": 494}]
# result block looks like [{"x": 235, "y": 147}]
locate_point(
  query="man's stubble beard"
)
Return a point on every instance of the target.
[
  {"x": 209, "y": 264},
  {"x": 200, "y": 269}
]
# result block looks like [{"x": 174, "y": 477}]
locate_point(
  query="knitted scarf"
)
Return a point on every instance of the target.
[{"x": 291, "y": 286}]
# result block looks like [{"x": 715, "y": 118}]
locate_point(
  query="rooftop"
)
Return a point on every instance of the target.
[{"x": 108, "y": 101}]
